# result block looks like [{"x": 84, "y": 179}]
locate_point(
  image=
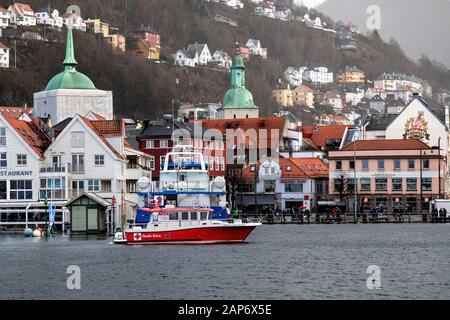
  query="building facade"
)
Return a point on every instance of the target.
[{"x": 4, "y": 56}]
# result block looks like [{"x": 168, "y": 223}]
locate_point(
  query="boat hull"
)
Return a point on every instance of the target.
[{"x": 205, "y": 235}]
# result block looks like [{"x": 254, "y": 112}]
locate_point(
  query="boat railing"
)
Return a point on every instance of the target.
[{"x": 179, "y": 186}]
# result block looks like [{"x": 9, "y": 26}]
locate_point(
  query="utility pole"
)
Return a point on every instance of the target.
[
  {"x": 439, "y": 163},
  {"x": 421, "y": 181},
  {"x": 355, "y": 188}
]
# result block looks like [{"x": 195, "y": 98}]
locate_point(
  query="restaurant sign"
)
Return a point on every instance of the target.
[{"x": 16, "y": 173}]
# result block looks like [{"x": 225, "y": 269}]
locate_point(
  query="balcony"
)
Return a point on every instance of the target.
[
  {"x": 53, "y": 168},
  {"x": 187, "y": 186},
  {"x": 135, "y": 172}
]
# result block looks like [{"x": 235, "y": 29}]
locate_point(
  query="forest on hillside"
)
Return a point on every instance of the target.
[{"x": 143, "y": 89}]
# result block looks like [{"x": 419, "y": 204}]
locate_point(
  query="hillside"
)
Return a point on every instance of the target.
[
  {"x": 145, "y": 90},
  {"x": 400, "y": 19}
]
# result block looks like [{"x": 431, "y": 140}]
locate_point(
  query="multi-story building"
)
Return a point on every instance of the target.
[
  {"x": 318, "y": 75},
  {"x": 4, "y": 56},
  {"x": 148, "y": 43},
  {"x": 21, "y": 14},
  {"x": 283, "y": 96},
  {"x": 222, "y": 59},
  {"x": 4, "y": 18},
  {"x": 294, "y": 75},
  {"x": 49, "y": 17},
  {"x": 201, "y": 51},
  {"x": 97, "y": 26},
  {"x": 351, "y": 76},
  {"x": 73, "y": 20},
  {"x": 283, "y": 184},
  {"x": 334, "y": 100},
  {"x": 397, "y": 81},
  {"x": 304, "y": 96},
  {"x": 388, "y": 173}
]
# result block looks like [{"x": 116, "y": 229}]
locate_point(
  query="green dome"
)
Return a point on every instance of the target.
[
  {"x": 70, "y": 79},
  {"x": 238, "y": 98}
]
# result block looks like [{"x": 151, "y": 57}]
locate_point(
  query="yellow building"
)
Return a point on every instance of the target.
[
  {"x": 98, "y": 27},
  {"x": 351, "y": 75},
  {"x": 147, "y": 52},
  {"x": 283, "y": 97}
]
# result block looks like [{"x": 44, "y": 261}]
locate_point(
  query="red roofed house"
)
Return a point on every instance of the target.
[
  {"x": 22, "y": 14},
  {"x": 285, "y": 184},
  {"x": 388, "y": 173}
]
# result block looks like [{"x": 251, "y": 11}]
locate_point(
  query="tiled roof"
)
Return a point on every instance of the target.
[
  {"x": 2, "y": 46},
  {"x": 109, "y": 127},
  {"x": 398, "y": 144},
  {"x": 2, "y": 9},
  {"x": 31, "y": 133},
  {"x": 320, "y": 135},
  {"x": 15, "y": 111},
  {"x": 20, "y": 9},
  {"x": 302, "y": 88},
  {"x": 92, "y": 126},
  {"x": 269, "y": 124}
]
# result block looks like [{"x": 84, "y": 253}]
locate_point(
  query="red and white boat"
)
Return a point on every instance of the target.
[{"x": 185, "y": 226}]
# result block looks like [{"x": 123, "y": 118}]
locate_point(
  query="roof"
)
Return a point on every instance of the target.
[
  {"x": 92, "y": 196},
  {"x": 31, "y": 133},
  {"x": 3, "y": 9},
  {"x": 196, "y": 48},
  {"x": 269, "y": 124},
  {"x": 302, "y": 88},
  {"x": 93, "y": 126},
  {"x": 3, "y": 46},
  {"x": 398, "y": 144},
  {"x": 109, "y": 127},
  {"x": 321, "y": 135},
  {"x": 332, "y": 95},
  {"x": 238, "y": 97},
  {"x": 164, "y": 129},
  {"x": 15, "y": 112},
  {"x": 299, "y": 168},
  {"x": 351, "y": 69},
  {"x": 21, "y": 8}
]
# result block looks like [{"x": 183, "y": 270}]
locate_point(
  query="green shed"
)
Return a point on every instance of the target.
[{"x": 88, "y": 214}]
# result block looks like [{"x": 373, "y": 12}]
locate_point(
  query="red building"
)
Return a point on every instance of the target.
[
  {"x": 151, "y": 37},
  {"x": 156, "y": 141}
]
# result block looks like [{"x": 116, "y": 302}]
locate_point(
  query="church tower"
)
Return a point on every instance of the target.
[
  {"x": 71, "y": 92},
  {"x": 238, "y": 101}
]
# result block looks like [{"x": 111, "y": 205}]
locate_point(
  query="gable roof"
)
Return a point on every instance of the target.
[
  {"x": 31, "y": 133},
  {"x": 21, "y": 8},
  {"x": 196, "y": 48},
  {"x": 3, "y": 9},
  {"x": 15, "y": 111},
  {"x": 397, "y": 144},
  {"x": 321, "y": 135},
  {"x": 92, "y": 196},
  {"x": 303, "y": 89},
  {"x": 3, "y": 46},
  {"x": 164, "y": 130}
]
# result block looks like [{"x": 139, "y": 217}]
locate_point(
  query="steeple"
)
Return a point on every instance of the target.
[{"x": 69, "y": 61}]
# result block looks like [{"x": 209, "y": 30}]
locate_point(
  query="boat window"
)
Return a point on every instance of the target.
[
  {"x": 204, "y": 216},
  {"x": 194, "y": 216},
  {"x": 173, "y": 216},
  {"x": 185, "y": 216}
]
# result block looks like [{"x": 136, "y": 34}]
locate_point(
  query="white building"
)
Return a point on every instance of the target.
[
  {"x": 334, "y": 100},
  {"x": 201, "y": 51},
  {"x": 183, "y": 58},
  {"x": 222, "y": 59},
  {"x": 256, "y": 49},
  {"x": 4, "y": 56},
  {"x": 235, "y": 4},
  {"x": 71, "y": 92},
  {"x": 294, "y": 75},
  {"x": 4, "y": 18},
  {"x": 49, "y": 17},
  {"x": 21, "y": 15},
  {"x": 354, "y": 97},
  {"x": 71, "y": 19},
  {"x": 318, "y": 75}
]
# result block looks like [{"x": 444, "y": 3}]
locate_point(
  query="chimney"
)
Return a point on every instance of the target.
[{"x": 447, "y": 117}]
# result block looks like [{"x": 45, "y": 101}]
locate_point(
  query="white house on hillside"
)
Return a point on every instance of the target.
[
  {"x": 202, "y": 52},
  {"x": 255, "y": 48},
  {"x": 49, "y": 17},
  {"x": 74, "y": 20},
  {"x": 318, "y": 75},
  {"x": 21, "y": 15},
  {"x": 4, "y": 18},
  {"x": 4, "y": 56},
  {"x": 294, "y": 75},
  {"x": 183, "y": 58},
  {"x": 222, "y": 59}
]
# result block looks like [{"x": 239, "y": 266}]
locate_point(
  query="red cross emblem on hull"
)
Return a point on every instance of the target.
[{"x": 137, "y": 237}]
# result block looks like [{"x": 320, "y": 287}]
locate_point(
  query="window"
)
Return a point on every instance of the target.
[
  {"x": 246, "y": 187},
  {"x": 365, "y": 164},
  {"x": 269, "y": 186},
  {"x": 397, "y": 184},
  {"x": 194, "y": 216},
  {"x": 152, "y": 163},
  {"x": 338, "y": 165},
  {"x": 426, "y": 184},
  {"x": 149, "y": 144},
  {"x": 366, "y": 184},
  {"x": 164, "y": 143},
  {"x": 217, "y": 163},
  {"x": 411, "y": 164},
  {"x": 352, "y": 165},
  {"x": 77, "y": 139},
  {"x": 77, "y": 187},
  {"x": 106, "y": 186},
  {"x": 162, "y": 160},
  {"x": 338, "y": 185},
  {"x": 397, "y": 165},
  {"x": 94, "y": 185},
  {"x": 78, "y": 163},
  {"x": 289, "y": 168},
  {"x": 380, "y": 164},
  {"x": 381, "y": 184},
  {"x": 2, "y": 137},
  {"x": 411, "y": 184},
  {"x": 3, "y": 190},
  {"x": 99, "y": 160},
  {"x": 3, "y": 160},
  {"x": 52, "y": 188},
  {"x": 293, "y": 187},
  {"x": 21, "y": 190},
  {"x": 222, "y": 163},
  {"x": 426, "y": 164}
]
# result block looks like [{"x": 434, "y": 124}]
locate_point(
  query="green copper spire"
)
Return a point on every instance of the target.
[
  {"x": 238, "y": 97},
  {"x": 70, "y": 61},
  {"x": 70, "y": 78}
]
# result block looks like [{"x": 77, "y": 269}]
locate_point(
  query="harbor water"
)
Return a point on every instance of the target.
[{"x": 278, "y": 262}]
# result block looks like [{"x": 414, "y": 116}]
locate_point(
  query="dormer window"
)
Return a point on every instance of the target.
[{"x": 289, "y": 168}]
